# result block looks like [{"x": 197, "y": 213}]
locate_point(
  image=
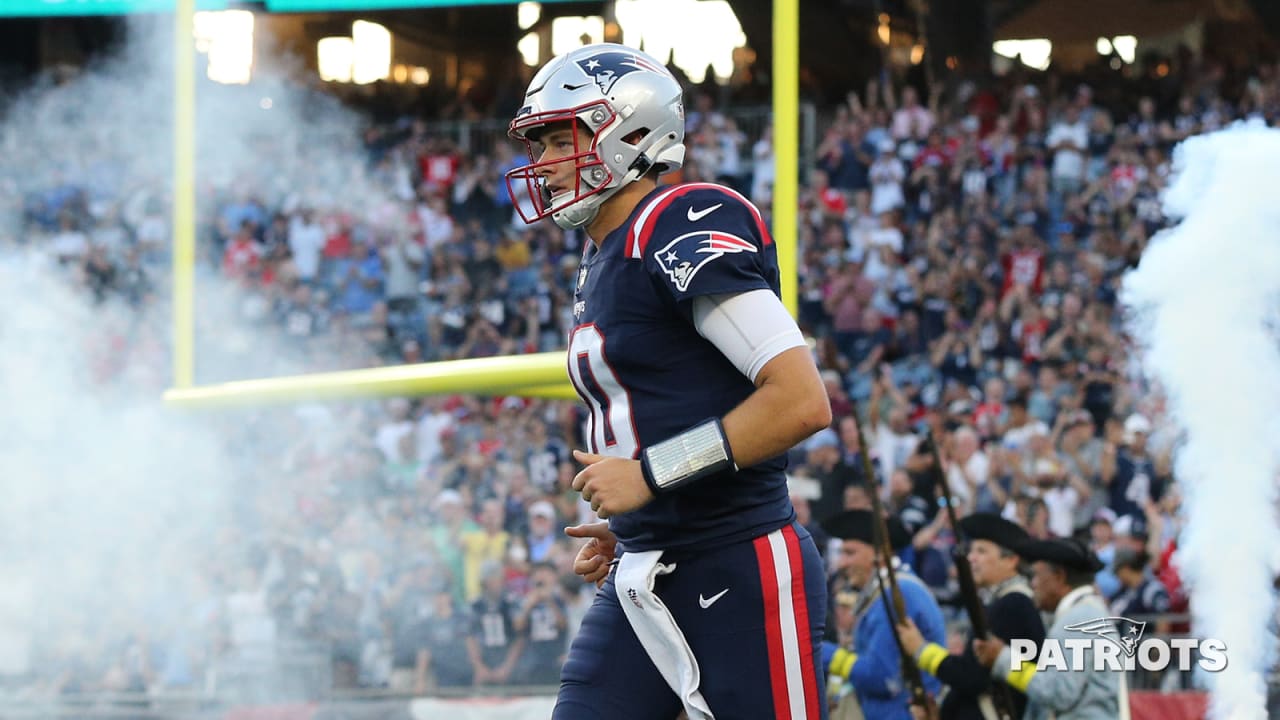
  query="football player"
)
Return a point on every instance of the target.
[{"x": 698, "y": 381}]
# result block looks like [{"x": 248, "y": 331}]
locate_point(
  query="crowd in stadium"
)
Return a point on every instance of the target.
[{"x": 961, "y": 252}]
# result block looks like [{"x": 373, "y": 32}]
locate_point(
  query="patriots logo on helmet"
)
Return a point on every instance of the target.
[
  {"x": 605, "y": 68},
  {"x": 683, "y": 257},
  {"x": 1122, "y": 631}
]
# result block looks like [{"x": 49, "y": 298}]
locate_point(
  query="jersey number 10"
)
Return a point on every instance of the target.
[{"x": 611, "y": 430}]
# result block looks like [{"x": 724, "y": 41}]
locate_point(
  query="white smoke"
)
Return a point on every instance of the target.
[
  {"x": 1203, "y": 305},
  {"x": 106, "y": 495},
  {"x": 119, "y": 517}
]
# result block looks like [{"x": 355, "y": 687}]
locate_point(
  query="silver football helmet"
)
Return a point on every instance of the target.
[{"x": 631, "y": 104}]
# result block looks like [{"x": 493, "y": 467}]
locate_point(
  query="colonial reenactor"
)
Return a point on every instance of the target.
[
  {"x": 1062, "y": 584},
  {"x": 971, "y": 693},
  {"x": 874, "y": 666}
]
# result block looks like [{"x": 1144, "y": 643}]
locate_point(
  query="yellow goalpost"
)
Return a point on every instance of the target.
[{"x": 541, "y": 375}]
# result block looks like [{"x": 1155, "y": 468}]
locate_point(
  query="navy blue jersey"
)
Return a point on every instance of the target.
[
  {"x": 1134, "y": 483},
  {"x": 1148, "y": 598},
  {"x": 492, "y": 627},
  {"x": 543, "y": 464},
  {"x": 646, "y": 374}
]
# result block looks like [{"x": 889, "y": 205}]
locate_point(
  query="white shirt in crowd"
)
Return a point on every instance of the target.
[
  {"x": 1016, "y": 438},
  {"x": 730, "y": 153},
  {"x": 437, "y": 227},
  {"x": 306, "y": 241},
  {"x": 975, "y": 468},
  {"x": 1068, "y": 164},
  {"x": 430, "y": 427},
  {"x": 762, "y": 172},
  {"x": 1061, "y": 502},
  {"x": 252, "y": 629},
  {"x": 876, "y": 268},
  {"x": 912, "y": 123},
  {"x": 388, "y": 439},
  {"x": 153, "y": 231},
  {"x": 111, "y": 237},
  {"x": 893, "y": 449},
  {"x": 887, "y": 175},
  {"x": 861, "y": 225},
  {"x": 403, "y": 259},
  {"x": 71, "y": 244}
]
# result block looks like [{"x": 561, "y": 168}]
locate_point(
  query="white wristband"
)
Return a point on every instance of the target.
[{"x": 700, "y": 451}]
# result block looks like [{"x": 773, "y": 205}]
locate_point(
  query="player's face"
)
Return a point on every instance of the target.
[{"x": 557, "y": 147}]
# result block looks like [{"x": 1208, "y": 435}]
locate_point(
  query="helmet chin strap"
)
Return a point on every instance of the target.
[
  {"x": 575, "y": 216},
  {"x": 583, "y": 212}
]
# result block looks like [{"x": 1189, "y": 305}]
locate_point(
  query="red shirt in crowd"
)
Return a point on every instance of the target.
[
  {"x": 1032, "y": 339},
  {"x": 938, "y": 156},
  {"x": 833, "y": 202},
  {"x": 986, "y": 417},
  {"x": 1167, "y": 574},
  {"x": 337, "y": 245},
  {"x": 241, "y": 257},
  {"x": 1023, "y": 267},
  {"x": 439, "y": 170}
]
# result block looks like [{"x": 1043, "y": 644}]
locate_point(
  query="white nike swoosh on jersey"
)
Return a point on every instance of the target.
[
  {"x": 708, "y": 602},
  {"x": 698, "y": 215}
]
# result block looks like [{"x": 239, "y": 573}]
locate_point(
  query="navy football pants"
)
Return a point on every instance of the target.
[{"x": 757, "y": 641}]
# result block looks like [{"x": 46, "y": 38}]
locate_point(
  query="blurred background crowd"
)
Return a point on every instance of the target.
[{"x": 961, "y": 249}]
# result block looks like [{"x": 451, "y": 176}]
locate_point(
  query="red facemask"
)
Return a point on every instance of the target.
[{"x": 534, "y": 174}]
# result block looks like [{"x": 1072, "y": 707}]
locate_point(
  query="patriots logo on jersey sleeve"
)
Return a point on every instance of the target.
[
  {"x": 608, "y": 66},
  {"x": 682, "y": 258}
]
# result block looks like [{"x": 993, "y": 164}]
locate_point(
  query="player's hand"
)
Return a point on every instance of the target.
[
  {"x": 988, "y": 650},
  {"x": 612, "y": 485},
  {"x": 912, "y": 640},
  {"x": 593, "y": 559}
]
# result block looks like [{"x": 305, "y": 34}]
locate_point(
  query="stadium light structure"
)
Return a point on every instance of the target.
[
  {"x": 47, "y": 8},
  {"x": 541, "y": 375}
]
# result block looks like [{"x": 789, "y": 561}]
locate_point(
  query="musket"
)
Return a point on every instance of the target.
[
  {"x": 892, "y": 595},
  {"x": 964, "y": 574}
]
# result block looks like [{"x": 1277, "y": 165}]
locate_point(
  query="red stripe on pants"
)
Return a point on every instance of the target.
[
  {"x": 800, "y": 602},
  {"x": 773, "y": 628}
]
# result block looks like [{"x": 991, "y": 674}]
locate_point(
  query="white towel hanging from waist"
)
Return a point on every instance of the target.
[{"x": 657, "y": 630}]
